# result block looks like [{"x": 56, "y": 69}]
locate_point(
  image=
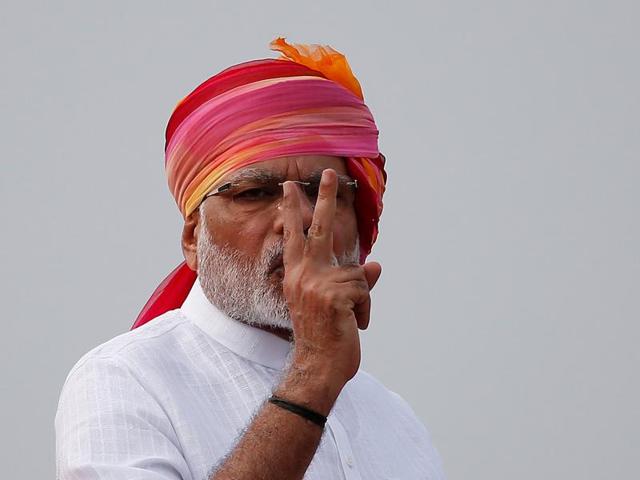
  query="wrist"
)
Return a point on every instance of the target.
[
  {"x": 301, "y": 411},
  {"x": 312, "y": 387}
]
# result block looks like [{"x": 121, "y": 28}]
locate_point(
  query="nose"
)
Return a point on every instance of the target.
[{"x": 306, "y": 210}]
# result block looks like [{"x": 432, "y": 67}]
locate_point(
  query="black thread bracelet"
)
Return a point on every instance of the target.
[{"x": 304, "y": 412}]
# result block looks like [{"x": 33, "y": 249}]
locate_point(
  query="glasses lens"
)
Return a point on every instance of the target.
[
  {"x": 252, "y": 197},
  {"x": 344, "y": 196}
]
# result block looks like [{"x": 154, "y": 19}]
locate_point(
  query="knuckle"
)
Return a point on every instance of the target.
[
  {"x": 354, "y": 268},
  {"x": 362, "y": 290},
  {"x": 315, "y": 231},
  {"x": 323, "y": 195},
  {"x": 355, "y": 271},
  {"x": 359, "y": 290},
  {"x": 364, "y": 295}
]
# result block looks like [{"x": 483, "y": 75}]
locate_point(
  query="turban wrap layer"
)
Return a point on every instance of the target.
[{"x": 308, "y": 102}]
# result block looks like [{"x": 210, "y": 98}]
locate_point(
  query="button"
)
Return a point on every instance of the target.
[{"x": 350, "y": 461}]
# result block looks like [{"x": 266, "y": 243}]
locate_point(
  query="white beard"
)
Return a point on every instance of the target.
[{"x": 243, "y": 289}]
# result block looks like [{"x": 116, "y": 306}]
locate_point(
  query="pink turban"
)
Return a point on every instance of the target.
[{"x": 307, "y": 102}]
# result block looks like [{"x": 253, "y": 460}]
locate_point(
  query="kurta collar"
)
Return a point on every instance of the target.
[{"x": 249, "y": 342}]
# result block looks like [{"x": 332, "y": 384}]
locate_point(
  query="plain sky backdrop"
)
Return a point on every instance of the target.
[{"x": 508, "y": 310}]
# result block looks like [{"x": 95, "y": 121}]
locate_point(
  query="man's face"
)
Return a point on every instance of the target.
[{"x": 240, "y": 237}]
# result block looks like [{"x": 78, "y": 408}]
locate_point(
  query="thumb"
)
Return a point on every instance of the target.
[{"x": 372, "y": 271}]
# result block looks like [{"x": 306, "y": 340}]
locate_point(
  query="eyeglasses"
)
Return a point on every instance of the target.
[{"x": 254, "y": 196}]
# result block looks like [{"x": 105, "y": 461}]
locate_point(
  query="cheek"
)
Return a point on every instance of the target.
[{"x": 245, "y": 236}]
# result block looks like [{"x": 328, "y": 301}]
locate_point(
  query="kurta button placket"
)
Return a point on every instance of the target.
[{"x": 343, "y": 446}]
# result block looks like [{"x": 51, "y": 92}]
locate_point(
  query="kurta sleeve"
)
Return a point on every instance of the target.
[
  {"x": 108, "y": 426},
  {"x": 418, "y": 434}
]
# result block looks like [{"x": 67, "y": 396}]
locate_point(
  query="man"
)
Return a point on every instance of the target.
[{"x": 249, "y": 368}]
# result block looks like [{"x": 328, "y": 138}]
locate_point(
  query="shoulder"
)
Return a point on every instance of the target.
[
  {"x": 139, "y": 346},
  {"x": 366, "y": 384},
  {"x": 381, "y": 399},
  {"x": 158, "y": 331},
  {"x": 108, "y": 416},
  {"x": 125, "y": 371}
]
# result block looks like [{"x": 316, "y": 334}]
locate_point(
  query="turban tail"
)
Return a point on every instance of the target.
[{"x": 306, "y": 103}]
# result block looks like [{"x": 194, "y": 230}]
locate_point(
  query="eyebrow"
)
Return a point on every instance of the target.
[
  {"x": 265, "y": 176},
  {"x": 253, "y": 174}
]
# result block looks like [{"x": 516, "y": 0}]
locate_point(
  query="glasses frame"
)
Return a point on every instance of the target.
[{"x": 229, "y": 185}]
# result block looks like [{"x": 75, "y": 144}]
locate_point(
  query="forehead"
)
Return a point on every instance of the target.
[{"x": 299, "y": 167}]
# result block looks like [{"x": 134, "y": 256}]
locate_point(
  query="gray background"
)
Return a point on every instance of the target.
[{"x": 507, "y": 314}]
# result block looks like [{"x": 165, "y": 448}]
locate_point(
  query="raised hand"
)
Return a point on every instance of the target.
[{"x": 327, "y": 302}]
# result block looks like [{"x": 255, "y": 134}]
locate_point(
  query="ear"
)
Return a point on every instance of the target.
[{"x": 190, "y": 239}]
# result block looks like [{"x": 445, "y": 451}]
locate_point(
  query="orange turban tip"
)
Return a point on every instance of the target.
[{"x": 322, "y": 58}]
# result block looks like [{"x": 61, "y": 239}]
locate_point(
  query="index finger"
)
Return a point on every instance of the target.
[
  {"x": 320, "y": 235},
  {"x": 293, "y": 227}
]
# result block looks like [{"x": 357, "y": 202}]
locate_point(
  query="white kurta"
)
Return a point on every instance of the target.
[{"x": 168, "y": 400}]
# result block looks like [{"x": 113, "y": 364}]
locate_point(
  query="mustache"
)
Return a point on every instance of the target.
[{"x": 273, "y": 257}]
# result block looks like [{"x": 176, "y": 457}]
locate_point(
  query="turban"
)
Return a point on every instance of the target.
[{"x": 306, "y": 102}]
